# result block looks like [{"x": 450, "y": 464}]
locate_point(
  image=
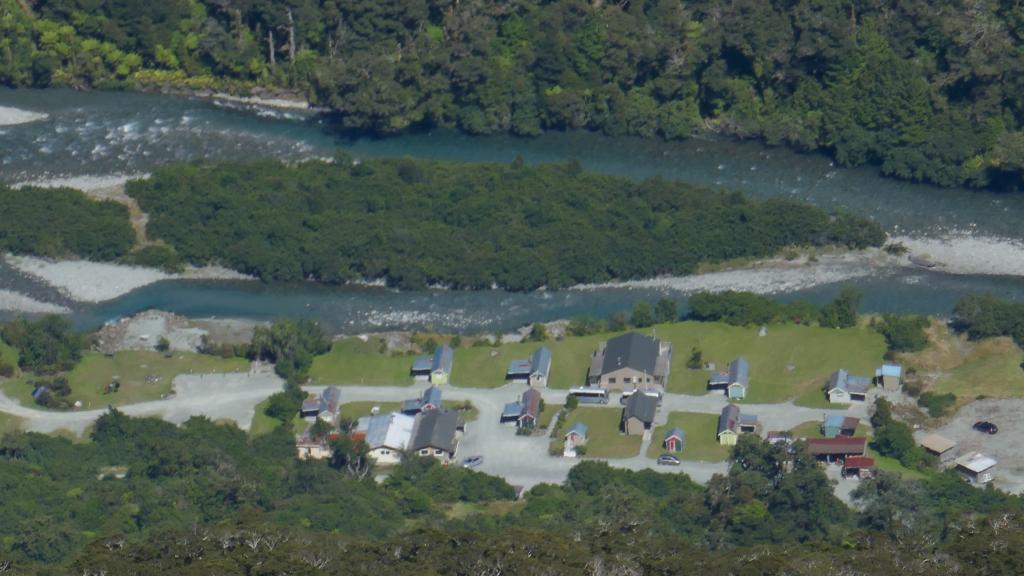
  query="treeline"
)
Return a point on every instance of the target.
[
  {"x": 416, "y": 223},
  {"x": 984, "y": 315},
  {"x": 61, "y": 222},
  {"x": 110, "y": 506},
  {"x": 927, "y": 91}
]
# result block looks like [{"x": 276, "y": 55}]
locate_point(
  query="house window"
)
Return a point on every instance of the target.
[
  {"x": 385, "y": 452},
  {"x": 611, "y": 380},
  {"x": 425, "y": 452},
  {"x": 438, "y": 452}
]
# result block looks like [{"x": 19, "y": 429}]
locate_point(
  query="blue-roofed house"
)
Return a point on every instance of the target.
[
  {"x": 511, "y": 412},
  {"x": 324, "y": 406},
  {"x": 675, "y": 440},
  {"x": 577, "y": 434},
  {"x": 430, "y": 400},
  {"x": 422, "y": 366},
  {"x": 748, "y": 423},
  {"x": 733, "y": 381},
  {"x": 843, "y": 388},
  {"x": 533, "y": 371},
  {"x": 889, "y": 377},
  {"x": 836, "y": 425}
]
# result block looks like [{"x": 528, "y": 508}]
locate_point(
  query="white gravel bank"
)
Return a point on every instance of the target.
[
  {"x": 11, "y": 116},
  {"x": 85, "y": 183},
  {"x": 85, "y": 281},
  {"x": 16, "y": 302},
  {"x": 771, "y": 277},
  {"x": 967, "y": 254}
]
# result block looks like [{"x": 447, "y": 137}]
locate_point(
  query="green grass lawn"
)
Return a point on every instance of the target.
[
  {"x": 604, "y": 439},
  {"x": 131, "y": 368},
  {"x": 701, "y": 443},
  {"x": 547, "y": 414},
  {"x": 9, "y": 355},
  {"x": 998, "y": 375},
  {"x": 261, "y": 423},
  {"x": 352, "y": 361},
  {"x": 813, "y": 352}
]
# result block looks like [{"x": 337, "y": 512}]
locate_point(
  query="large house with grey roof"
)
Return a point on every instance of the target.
[
  {"x": 435, "y": 434},
  {"x": 631, "y": 361},
  {"x": 533, "y": 371}
]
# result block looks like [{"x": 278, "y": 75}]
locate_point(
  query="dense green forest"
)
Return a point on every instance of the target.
[
  {"x": 147, "y": 497},
  {"x": 927, "y": 90},
  {"x": 466, "y": 225},
  {"x": 60, "y": 222}
]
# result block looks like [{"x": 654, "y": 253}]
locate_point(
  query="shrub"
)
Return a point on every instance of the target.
[{"x": 938, "y": 405}]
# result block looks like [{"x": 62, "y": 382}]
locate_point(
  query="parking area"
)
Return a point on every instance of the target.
[{"x": 1006, "y": 447}]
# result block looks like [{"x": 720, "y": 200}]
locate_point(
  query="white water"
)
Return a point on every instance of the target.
[{"x": 12, "y": 116}]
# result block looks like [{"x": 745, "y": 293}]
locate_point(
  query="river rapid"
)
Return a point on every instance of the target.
[{"x": 89, "y": 140}]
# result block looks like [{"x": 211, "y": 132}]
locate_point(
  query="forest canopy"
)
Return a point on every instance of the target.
[
  {"x": 466, "y": 225},
  {"x": 926, "y": 90}
]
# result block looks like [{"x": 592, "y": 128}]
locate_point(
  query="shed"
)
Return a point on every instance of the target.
[
  {"x": 977, "y": 468},
  {"x": 577, "y": 434},
  {"x": 675, "y": 440},
  {"x": 859, "y": 466},
  {"x": 531, "y": 409},
  {"x": 638, "y": 415},
  {"x": 940, "y": 446},
  {"x": 748, "y": 423},
  {"x": 441, "y": 368},
  {"x": 889, "y": 376},
  {"x": 728, "y": 425},
  {"x": 540, "y": 366},
  {"x": 511, "y": 412}
]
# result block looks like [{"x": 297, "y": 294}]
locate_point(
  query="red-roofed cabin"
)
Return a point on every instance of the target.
[{"x": 858, "y": 466}]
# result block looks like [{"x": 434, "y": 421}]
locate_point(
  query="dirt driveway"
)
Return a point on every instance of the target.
[{"x": 1007, "y": 447}]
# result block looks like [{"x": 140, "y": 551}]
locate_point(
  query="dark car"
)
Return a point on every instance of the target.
[
  {"x": 472, "y": 461},
  {"x": 986, "y": 427},
  {"x": 668, "y": 460}
]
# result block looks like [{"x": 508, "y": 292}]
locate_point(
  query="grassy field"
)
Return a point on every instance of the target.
[
  {"x": 9, "y": 355},
  {"x": 811, "y": 353},
  {"x": 131, "y": 369},
  {"x": 352, "y": 361},
  {"x": 701, "y": 443},
  {"x": 547, "y": 414},
  {"x": 951, "y": 363},
  {"x": 604, "y": 439},
  {"x": 9, "y": 423}
]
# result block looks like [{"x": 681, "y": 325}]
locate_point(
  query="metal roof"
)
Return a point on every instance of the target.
[
  {"x": 843, "y": 380},
  {"x": 422, "y": 364},
  {"x": 512, "y": 410},
  {"x": 675, "y": 432},
  {"x": 729, "y": 418},
  {"x": 889, "y": 370},
  {"x": 531, "y": 402},
  {"x": 519, "y": 368},
  {"x": 387, "y": 430},
  {"x": 976, "y": 462},
  {"x": 540, "y": 361},
  {"x": 431, "y": 395},
  {"x": 630, "y": 350},
  {"x": 739, "y": 371},
  {"x": 579, "y": 429},
  {"x": 834, "y": 421},
  {"x": 836, "y": 446},
  {"x": 443, "y": 358}
]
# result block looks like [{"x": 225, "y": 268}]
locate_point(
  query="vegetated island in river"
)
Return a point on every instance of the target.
[{"x": 416, "y": 223}]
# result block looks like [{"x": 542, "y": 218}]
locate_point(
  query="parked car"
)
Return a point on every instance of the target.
[
  {"x": 986, "y": 427},
  {"x": 472, "y": 461},
  {"x": 668, "y": 460}
]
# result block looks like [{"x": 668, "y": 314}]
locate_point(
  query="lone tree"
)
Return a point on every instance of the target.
[
  {"x": 642, "y": 315},
  {"x": 696, "y": 359},
  {"x": 666, "y": 310}
]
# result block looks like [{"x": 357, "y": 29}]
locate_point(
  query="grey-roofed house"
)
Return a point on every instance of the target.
[
  {"x": 734, "y": 381},
  {"x": 324, "y": 407},
  {"x": 430, "y": 400},
  {"x": 436, "y": 367},
  {"x": 638, "y": 415},
  {"x": 977, "y": 468},
  {"x": 435, "y": 434},
  {"x": 630, "y": 361},
  {"x": 843, "y": 388},
  {"x": 533, "y": 371},
  {"x": 729, "y": 425}
]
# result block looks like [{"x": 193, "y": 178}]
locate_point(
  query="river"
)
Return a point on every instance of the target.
[{"x": 85, "y": 137}]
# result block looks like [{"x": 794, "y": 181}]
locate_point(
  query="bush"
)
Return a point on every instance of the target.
[
  {"x": 45, "y": 346},
  {"x": 938, "y": 405},
  {"x": 696, "y": 360},
  {"x": 903, "y": 333},
  {"x": 6, "y": 370},
  {"x": 156, "y": 256},
  {"x": 841, "y": 312}
]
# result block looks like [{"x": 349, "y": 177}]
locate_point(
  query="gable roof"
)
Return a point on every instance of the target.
[
  {"x": 519, "y": 368},
  {"x": 836, "y": 446},
  {"x": 859, "y": 462},
  {"x": 387, "y": 430},
  {"x": 330, "y": 399},
  {"x": 632, "y": 350},
  {"x": 579, "y": 429},
  {"x": 975, "y": 462},
  {"x": 435, "y": 429},
  {"x": 531, "y": 403},
  {"x": 834, "y": 421},
  {"x": 423, "y": 364},
  {"x": 729, "y": 419},
  {"x": 739, "y": 372},
  {"x": 843, "y": 380},
  {"x": 850, "y": 423},
  {"x": 675, "y": 433},
  {"x": 443, "y": 357},
  {"x": 512, "y": 410},
  {"x": 432, "y": 396},
  {"x": 641, "y": 406},
  {"x": 540, "y": 361}
]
